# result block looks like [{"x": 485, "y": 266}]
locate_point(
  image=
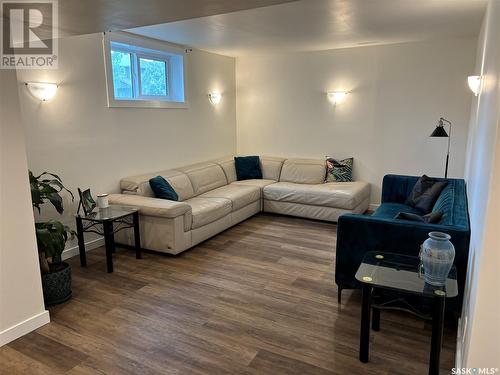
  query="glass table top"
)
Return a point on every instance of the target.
[
  {"x": 112, "y": 212},
  {"x": 401, "y": 273}
]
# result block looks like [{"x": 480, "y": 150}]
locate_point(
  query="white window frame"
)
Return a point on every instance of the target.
[
  {"x": 168, "y": 72},
  {"x": 140, "y": 47}
]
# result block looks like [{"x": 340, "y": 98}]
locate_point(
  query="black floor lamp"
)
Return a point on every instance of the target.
[{"x": 441, "y": 132}]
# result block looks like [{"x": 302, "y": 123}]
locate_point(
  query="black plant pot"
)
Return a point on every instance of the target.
[{"x": 57, "y": 285}]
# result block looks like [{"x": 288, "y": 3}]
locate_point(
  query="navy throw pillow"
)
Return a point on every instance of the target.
[
  {"x": 432, "y": 218},
  {"x": 247, "y": 167},
  {"x": 425, "y": 194},
  {"x": 163, "y": 189}
]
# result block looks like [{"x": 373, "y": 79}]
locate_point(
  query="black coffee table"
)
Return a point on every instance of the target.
[
  {"x": 401, "y": 274},
  {"x": 106, "y": 222}
]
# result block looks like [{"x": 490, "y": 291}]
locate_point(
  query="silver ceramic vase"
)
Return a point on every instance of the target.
[{"x": 438, "y": 254}]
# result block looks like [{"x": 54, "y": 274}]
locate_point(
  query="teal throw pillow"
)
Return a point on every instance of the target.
[{"x": 162, "y": 189}]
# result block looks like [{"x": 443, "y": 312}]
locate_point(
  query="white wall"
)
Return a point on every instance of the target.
[
  {"x": 479, "y": 334},
  {"x": 21, "y": 302},
  {"x": 398, "y": 92},
  {"x": 90, "y": 145}
]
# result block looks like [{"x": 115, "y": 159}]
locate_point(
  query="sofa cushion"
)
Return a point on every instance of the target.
[
  {"x": 345, "y": 195},
  {"x": 227, "y": 165},
  {"x": 271, "y": 167},
  {"x": 208, "y": 210},
  {"x": 239, "y": 195},
  {"x": 247, "y": 167},
  {"x": 390, "y": 210},
  {"x": 425, "y": 193},
  {"x": 303, "y": 171},
  {"x": 451, "y": 203},
  {"x": 162, "y": 189},
  {"x": 431, "y": 218},
  {"x": 205, "y": 177},
  {"x": 339, "y": 170},
  {"x": 258, "y": 183},
  {"x": 139, "y": 185}
]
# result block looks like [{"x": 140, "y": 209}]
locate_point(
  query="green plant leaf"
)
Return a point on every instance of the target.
[
  {"x": 56, "y": 201},
  {"x": 45, "y": 189},
  {"x": 50, "y": 174},
  {"x": 51, "y": 238}
]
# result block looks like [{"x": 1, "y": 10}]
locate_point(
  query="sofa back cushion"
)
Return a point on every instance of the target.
[
  {"x": 453, "y": 203},
  {"x": 139, "y": 185},
  {"x": 303, "y": 171},
  {"x": 227, "y": 165},
  {"x": 205, "y": 177},
  {"x": 271, "y": 167},
  {"x": 452, "y": 200}
]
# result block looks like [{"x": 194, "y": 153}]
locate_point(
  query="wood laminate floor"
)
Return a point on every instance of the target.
[{"x": 259, "y": 298}]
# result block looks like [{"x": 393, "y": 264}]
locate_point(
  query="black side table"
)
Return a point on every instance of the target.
[
  {"x": 401, "y": 274},
  {"x": 106, "y": 222}
]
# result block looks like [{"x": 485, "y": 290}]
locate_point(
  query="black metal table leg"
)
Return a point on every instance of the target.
[
  {"x": 437, "y": 331},
  {"x": 376, "y": 319},
  {"x": 364, "y": 340},
  {"x": 113, "y": 247},
  {"x": 137, "y": 236},
  {"x": 81, "y": 242},
  {"x": 110, "y": 244}
]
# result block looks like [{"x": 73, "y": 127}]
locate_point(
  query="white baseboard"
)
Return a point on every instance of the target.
[
  {"x": 90, "y": 245},
  {"x": 373, "y": 206},
  {"x": 43, "y": 318},
  {"x": 23, "y": 328}
]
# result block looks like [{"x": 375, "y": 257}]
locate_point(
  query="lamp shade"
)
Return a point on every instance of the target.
[
  {"x": 215, "y": 97},
  {"x": 439, "y": 132},
  {"x": 474, "y": 84},
  {"x": 42, "y": 91},
  {"x": 336, "y": 97}
]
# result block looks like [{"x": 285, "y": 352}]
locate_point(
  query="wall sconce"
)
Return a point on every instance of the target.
[
  {"x": 215, "y": 97},
  {"x": 474, "y": 84},
  {"x": 336, "y": 97},
  {"x": 42, "y": 91}
]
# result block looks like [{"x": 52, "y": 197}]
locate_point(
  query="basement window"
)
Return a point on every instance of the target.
[{"x": 143, "y": 73}]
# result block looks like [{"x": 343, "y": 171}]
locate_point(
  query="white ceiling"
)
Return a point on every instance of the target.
[
  {"x": 91, "y": 16},
  {"x": 310, "y": 25}
]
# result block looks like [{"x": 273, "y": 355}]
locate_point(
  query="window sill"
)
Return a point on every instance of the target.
[{"x": 146, "y": 104}]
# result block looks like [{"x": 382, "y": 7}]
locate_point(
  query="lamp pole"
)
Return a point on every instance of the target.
[{"x": 442, "y": 120}]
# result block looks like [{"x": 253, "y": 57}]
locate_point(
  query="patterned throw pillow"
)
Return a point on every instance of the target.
[{"x": 339, "y": 170}]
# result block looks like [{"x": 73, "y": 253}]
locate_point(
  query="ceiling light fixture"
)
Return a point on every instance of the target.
[
  {"x": 336, "y": 97},
  {"x": 474, "y": 84},
  {"x": 215, "y": 97},
  {"x": 42, "y": 91}
]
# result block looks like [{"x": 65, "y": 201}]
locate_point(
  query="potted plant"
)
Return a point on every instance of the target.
[{"x": 51, "y": 238}]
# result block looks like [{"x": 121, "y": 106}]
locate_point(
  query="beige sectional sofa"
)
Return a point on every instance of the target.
[{"x": 212, "y": 200}]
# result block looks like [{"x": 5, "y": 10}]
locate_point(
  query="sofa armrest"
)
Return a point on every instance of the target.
[
  {"x": 359, "y": 234},
  {"x": 151, "y": 206}
]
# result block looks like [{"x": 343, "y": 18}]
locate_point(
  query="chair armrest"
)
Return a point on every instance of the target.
[{"x": 151, "y": 206}]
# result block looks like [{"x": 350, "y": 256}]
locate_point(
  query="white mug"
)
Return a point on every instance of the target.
[{"x": 102, "y": 201}]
